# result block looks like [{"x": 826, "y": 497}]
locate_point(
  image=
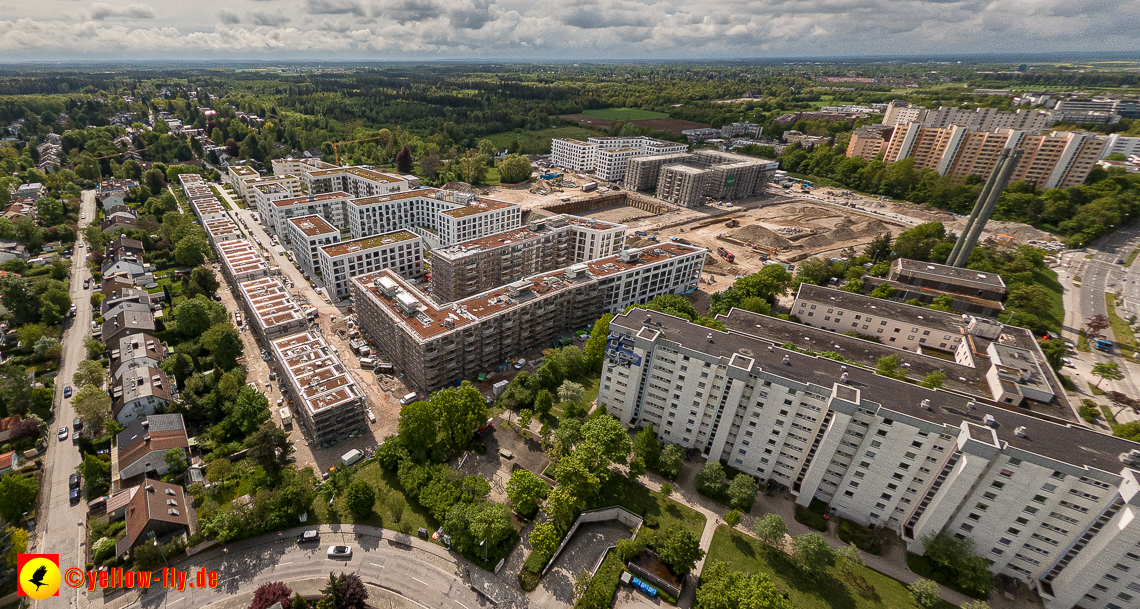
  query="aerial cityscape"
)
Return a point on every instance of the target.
[{"x": 460, "y": 304}]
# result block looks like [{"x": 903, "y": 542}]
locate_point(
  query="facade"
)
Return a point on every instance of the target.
[
  {"x": 1048, "y": 504},
  {"x": 868, "y": 141},
  {"x": 298, "y": 167},
  {"x": 608, "y": 156},
  {"x": 402, "y": 251},
  {"x": 272, "y": 310},
  {"x": 221, "y": 229},
  {"x": 441, "y": 217},
  {"x": 329, "y": 205},
  {"x": 209, "y": 209},
  {"x": 319, "y": 388},
  {"x": 686, "y": 180},
  {"x": 949, "y": 279},
  {"x": 642, "y": 172},
  {"x": 137, "y": 392},
  {"x": 1121, "y": 144},
  {"x": 900, "y": 113},
  {"x": 434, "y": 345},
  {"x": 357, "y": 181},
  {"x": 544, "y": 245},
  {"x": 306, "y": 236},
  {"x": 241, "y": 261}
]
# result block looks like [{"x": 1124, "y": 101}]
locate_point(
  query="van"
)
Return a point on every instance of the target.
[
  {"x": 371, "y": 417},
  {"x": 408, "y": 399},
  {"x": 286, "y": 417},
  {"x": 367, "y": 362},
  {"x": 351, "y": 457}
]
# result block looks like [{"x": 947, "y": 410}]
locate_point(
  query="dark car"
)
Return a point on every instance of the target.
[
  {"x": 73, "y": 481},
  {"x": 74, "y": 496},
  {"x": 77, "y": 424},
  {"x": 309, "y": 536}
]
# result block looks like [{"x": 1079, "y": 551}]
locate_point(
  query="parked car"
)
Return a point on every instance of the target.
[
  {"x": 67, "y": 391},
  {"x": 74, "y": 496},
  {"x": 77, "y": 424},
  {"x": 339, "y": 553},
  {"x": 73, "y": 481},
  {"x": 309, "y": 536},
  {"x": 62, "y": 434}
]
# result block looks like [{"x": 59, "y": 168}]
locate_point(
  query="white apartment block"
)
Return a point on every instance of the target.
[
  {"x": 441, "y": 217},
  {"x": 607, "y": 156},
  {"x": 401, "y": 251},
  {"x": 895, "y": 324},
  {"x": 330, "y": 206},
  {"x": 241, "y": 260},
  {"x": 357, "y": 181},
  {"x": 235, "y": 175},
  {"x": 318, "y": 387},
  {"x": 306, "y": 236},
  {"x": 272, "y": 310},
  {"x": 209, "y": 209},
  {"x": 298, "y": 167},
  {"x": 221, "y": 229},
  {"x": 1052, "y": 505},
  {"x": 1121, "y": 144}
]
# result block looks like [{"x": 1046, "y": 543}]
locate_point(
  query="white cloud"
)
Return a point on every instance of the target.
[{"x": 563, "y": 29}]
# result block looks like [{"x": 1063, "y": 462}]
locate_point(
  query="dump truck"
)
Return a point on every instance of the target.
[{"x": 727, "y": 255}]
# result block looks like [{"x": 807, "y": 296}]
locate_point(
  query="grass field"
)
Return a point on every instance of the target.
[
  {"x": 1121, "y": 331},
  {"x": 1047, "y": 278},
  {"x": 538, "y": 142},
  {"x": 659, "y": 511},
  {"x": 863, "y": 589},
  {"x": 1132, "y": 257},
  {"x": 387, "y": 489},
  {"x": 624, "y": 114}
]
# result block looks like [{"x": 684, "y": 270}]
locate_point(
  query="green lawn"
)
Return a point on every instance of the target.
[
  {"x": 624, "y": 114},
  {"x": 1047, "y": 278},
  {"x": 1121, "y": 331},
  {"x": 538, "y": 142},
  {"x": 659, "y": 512},
  {"x": 386, "y": 486},
  {"x": 864, "y": 589}
]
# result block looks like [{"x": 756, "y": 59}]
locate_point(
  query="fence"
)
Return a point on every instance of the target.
[{"x": 620, "y": 514}]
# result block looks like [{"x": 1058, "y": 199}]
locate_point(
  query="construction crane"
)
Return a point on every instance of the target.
[{"x": 336, "y": 153}]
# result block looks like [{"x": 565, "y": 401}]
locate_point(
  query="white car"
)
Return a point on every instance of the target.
[
  {"x": 82, "y": 216},
  {"x": 339, "y": 552},
  {"x": 519, "y": 364}
]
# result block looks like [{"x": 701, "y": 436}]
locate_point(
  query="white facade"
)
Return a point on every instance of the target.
[
  {"x": 608, "y": 156},
  {"x": 441, "y": 217},
  {"x": 240, "y": 260},
  {"x": 1051, "y": 505},
  {"x": 306, "y": 236},
  {"x": 610, "y": 163},
  {"x": 357, "y": 181},
  {"x": 894, "y": 324},
  {"x": 330, "y": 206},
  {"x": 1121, "y": 144},
  {"x": 574, "y": 155},
  {"x": 402, "y": 251}
]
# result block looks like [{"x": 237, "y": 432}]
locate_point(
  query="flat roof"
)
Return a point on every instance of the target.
[
  {"x": 360, "y": 172},
  {"x": 951, "y": 273},
  {"x": 313, "y": 226},
  {"x": 478, "y": 206},
  {"x": 328, "y": 196},
  {"x": 241, "y": 256},
  {"x": 317, "y": 376},
  {"x": 243, "y": 170},
  {"x": 1072, "y": 444},
  {"x": 366, "y": 243},
  {"x": 220, "y": 226},
  {"x": 270, "y": 302},
  {"x": 611, "y": 265},
  {"x": 879, "y": 307}
]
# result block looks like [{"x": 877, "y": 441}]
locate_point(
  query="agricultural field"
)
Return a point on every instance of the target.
[{"x": 538, "y": 142}]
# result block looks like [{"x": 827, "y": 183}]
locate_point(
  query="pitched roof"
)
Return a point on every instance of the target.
[
  {"x": 154, "y": 503},
  {"x": 157, "y": 434}
]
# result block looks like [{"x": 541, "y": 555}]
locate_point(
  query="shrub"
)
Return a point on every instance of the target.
[
  {"x": 710, "y": 481},
  {"x": 1090, "y": 414},
  {"x": 863, "y": 537},
  {"x": 810, "y": 518}
]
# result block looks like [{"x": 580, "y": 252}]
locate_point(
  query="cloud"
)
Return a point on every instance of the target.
[
  {"x": 337, "y": 7},
  {"x": 229, "y": 17},
  {"x": 101, "y": 11},
  {"x": 267, "y": 18},
  {"x": 403, "y": 11}
]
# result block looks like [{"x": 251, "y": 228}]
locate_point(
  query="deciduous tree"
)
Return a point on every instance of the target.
[
  {"x": 770, "y": 530},
  {"x": 812, "y": 553},
  {"x": 679, "y": 549},
  {"x": 360, "y": 497},
  {"x": 525, "y": 490}
]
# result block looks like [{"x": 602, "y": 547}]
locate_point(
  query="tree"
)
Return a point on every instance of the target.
[
  {"x": 1122, "y": 401},
  {"x": 562, "y": 506},
  {"x": 299, "y": 602},
  {"x": 355, "y": 594},
  {"x": 1107, "y": 370},
  {"x": 525, "y": 490},
  {"x": 582, "y": 584},
  {"x": 17, "y": 495},
  {"x": 669, "y": 464},
  {"x": 473, "y": 167},
  {"x": 267, "y": 594},
  {"x": 192, "y": 317},
  {"x": 679, "y": 549},
  {"x": 918, "y": 242},
  {"x": 417, "y": 427},
  {"x": 404, "y": 161},
  {"x": 96, "y": 474},
  {"x": 770, "y": 530},
  {"x": 1095, "y": 325},
  {"x": 742, "y": 492},
  {"x": 849, "y": 557},
  {"x": 224, "y": 343},
  {"x": 958, "y": 559},
  {"x": 1032, "y": 299},
  {"x": 666, "y": 489},
  {"x": 974, "y": 605},
  {"x": 89, "y": 373},
  {"x": 934, "y": 380},
  {"x": 219, "y": 469},
  {"x": 270, "y": 447},
  {"x": 812, "y": 553},
  {"x": 95, "y": 349},
  {"x": 710, "y": 480},
  {"x": 926, "y": 593},
  {"x": 47, "y": 348},
  {"x": 889, "y": 366},
  {"x": 190, "y": 250},
  {"x": 513, "y": 169},
  {"x": 732, "y": 518},
  {"x": 571, "y": 392},
  {"x": 175, "y": 460},
  {"x": 1054, "y": 351},
  {"x": 543, "y": 401},
  {"x": 203, "y": 281},
  {"x": 544, "y": 538},
  {"x": 723, "y": 588},
  {"x": 596, "y": 345},
  {"x": 93, "y": 406},
  {"x": 360, "y": 498},
  {"x": 525, "y": 416},
  {"x": 646, "y": 446},
  {"x": 461, "y": 410},
  {"x": 609, "y": 435}
]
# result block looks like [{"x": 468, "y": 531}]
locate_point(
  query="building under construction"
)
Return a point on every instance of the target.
[
  {"x": 686, "y": 179},
  {"x": 544, "y": 245}
]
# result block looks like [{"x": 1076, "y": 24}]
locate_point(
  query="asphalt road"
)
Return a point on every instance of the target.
[
  {"x": 60, "y": 527},
  {"x": 246, "y": 566}
]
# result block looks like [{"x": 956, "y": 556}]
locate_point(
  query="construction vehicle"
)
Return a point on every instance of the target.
[
  {"x": 642, "y": 233},
  {"x": 732, "y": 223},
  {"x": 588, "y": 186},
  {"x": 727, "y": 255}
]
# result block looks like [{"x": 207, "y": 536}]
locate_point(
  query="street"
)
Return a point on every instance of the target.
[{"x": 60, "y": 526}]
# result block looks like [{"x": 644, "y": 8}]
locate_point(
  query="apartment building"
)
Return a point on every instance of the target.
[
  {"x": 1059, "y": 160},
  {"x": 236, "y": 174},
  {"x": 1121, "y": 144},
  {"x": 271, "y": 309},
  {"x": 943, "y": 278},
  {"x": 357, "y": 181},
  {"x": 868, "y": 141},
  {"x": 306, "y": 235},
  {"x": 331, "y": 206},
  {"x": 137, "y": 392},
  {"x": 264, "y": 195},
  {"x": 688, "y": 180},
  {"x": 221, "y": 229},
  {"x": 241, "y": 260},
  {"x": 135, "y": 351},
  {"x": 434, "y": 344},
  {"x": 318, "y": 387},
  {"x": 208, "y": 209},
  {"x": 900, "y": 113},
  {"x": 613, "y": 152},
  {"x": 1048, "y": 504},
  {"x": 542, "y": 246},
  {"x": 194, "y": 187},
  {"x": 298, "y": 167},
  {"x": 642, "y": 172},
  {"x": 441, "y": 217},
  {"x": 401, "y": 251}
]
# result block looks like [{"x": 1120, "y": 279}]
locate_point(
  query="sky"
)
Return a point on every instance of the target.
[{"x": 62, "y": 30}]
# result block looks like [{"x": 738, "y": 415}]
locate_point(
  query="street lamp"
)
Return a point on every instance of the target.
[
  {"x": 485, "y": 546},
  {"x": 154, "y": 540}
]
